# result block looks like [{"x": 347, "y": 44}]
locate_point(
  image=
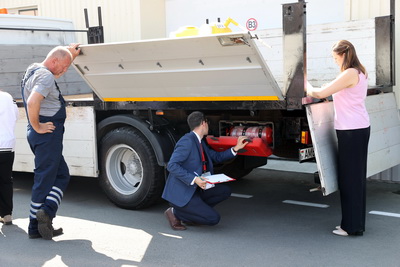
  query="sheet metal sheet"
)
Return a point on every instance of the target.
[
  {"x": 384, "y": 144},
  {"x": 80, "y": 151},
  {"x": 216, "y": 67},
  {"x": 320, "y": 120}
]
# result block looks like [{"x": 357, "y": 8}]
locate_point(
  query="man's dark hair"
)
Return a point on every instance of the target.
[{"x": 195, "y": 119}]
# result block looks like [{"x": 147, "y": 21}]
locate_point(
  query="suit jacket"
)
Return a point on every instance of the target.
[{"x": 184, "y": 163}]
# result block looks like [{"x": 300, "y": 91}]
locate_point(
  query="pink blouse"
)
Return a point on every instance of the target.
[{"x": 349, "y": 104}]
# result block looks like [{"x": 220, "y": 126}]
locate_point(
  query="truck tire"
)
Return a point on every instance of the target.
[{"x": 130, "y": 175}]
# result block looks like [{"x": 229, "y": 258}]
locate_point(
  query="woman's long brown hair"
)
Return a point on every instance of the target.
[{"x": 350, "y": 56}]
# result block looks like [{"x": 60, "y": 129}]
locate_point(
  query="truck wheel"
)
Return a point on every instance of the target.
[
  {"x": 130, "y": 175},
  {"x": 234, "y": 168}
]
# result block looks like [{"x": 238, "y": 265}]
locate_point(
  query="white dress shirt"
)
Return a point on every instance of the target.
[{"x": 8, "y": 118}]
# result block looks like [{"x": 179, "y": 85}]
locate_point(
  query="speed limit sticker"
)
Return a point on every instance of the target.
[{"x": 251, "y": 24}]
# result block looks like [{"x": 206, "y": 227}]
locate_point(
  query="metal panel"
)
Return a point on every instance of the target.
[
  {"x": 15, "y": 59},
  {"x": 391, "y": 175},
  {"x": 320, "y": 120},
  {"x": 384, "y": 144},
  {"x": 385, "y": 74},
  {"x": 207, "y": 68},
  {"x": 321, "y": 67},
  {"x": 80, "y": 150},
  {"x": 294, "y": 47}
]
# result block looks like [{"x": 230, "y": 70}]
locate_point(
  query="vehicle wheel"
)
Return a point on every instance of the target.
[
  {"x": 130, "y": 175},
  {"x": 234, "y": 168}
]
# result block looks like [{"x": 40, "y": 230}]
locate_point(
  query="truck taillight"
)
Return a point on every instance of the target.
[
  {"x": 305, "y": 137},
  {"x": 265, "y": 133}
]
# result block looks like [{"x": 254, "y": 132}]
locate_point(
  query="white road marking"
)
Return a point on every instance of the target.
[
  {"x": 390, "y": 214},
  {"x": 168, "y": 235},
  {"x": 316, "y": 205},
  {"x": 241, "y": 195}
]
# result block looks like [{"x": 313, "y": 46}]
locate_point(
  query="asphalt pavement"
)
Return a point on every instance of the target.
[{"x": 272, "y": 219}]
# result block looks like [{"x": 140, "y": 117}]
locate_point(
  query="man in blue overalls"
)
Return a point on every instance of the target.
[{"x": 45, "y": 108}]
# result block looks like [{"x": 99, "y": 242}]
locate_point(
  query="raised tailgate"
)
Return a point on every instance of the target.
[{"x": 224, "y": 67}]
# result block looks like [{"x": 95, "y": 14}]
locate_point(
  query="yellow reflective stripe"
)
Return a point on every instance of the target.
[{"x": 200, "y": 98}]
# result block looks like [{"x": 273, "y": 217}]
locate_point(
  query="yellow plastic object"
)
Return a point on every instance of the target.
[
  {"x": 229, "y": 21},
  {"x": 213, "y": 28},
  {"x": 186, "y": 31},
  {"x": 223, "y": 28},
  {"x": 219, "y": 28}
]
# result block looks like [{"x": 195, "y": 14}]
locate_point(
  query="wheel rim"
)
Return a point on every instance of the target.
[{"x": 124, "y": 169}]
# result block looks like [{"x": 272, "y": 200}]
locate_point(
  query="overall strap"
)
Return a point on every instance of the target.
[
  {"x": 23, "y": 82},
  {"x": 60, "y": 97}
]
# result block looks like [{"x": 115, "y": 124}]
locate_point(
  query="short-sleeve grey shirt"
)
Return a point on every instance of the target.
[{"x": 43, "y": 82}]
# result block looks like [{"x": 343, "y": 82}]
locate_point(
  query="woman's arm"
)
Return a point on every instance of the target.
[{"x": 346, "y": 79}]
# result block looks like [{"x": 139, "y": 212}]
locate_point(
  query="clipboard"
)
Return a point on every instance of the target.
[{"x": 218, "y": 178}]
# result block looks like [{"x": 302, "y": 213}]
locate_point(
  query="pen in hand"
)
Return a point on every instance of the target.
[
  {"x": 203, "y": 182},
  {"x": 201, "y": 178}
]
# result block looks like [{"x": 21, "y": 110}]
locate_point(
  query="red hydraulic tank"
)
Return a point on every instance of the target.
[{"x": 255, "y": 147}]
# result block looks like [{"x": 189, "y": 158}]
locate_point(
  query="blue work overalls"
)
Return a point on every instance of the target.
[{"x": 51, "y": 174}]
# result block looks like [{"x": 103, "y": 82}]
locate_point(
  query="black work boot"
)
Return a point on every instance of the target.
[{"x": 45, "y": 226}]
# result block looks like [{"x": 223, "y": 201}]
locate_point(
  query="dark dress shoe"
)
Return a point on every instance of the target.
[{"x": 173, "y": 221}]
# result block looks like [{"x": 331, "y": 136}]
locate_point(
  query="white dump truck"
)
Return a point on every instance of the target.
[{"x": 246, "y": 84}]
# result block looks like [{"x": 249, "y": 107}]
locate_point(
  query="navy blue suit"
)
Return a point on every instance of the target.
[{"x": 192, "y": 204}]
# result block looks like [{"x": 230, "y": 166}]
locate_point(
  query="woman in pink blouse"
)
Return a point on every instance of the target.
[{"x": 349, "y": 91}]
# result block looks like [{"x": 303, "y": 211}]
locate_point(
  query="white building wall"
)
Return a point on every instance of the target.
[
  {"x": 268, "y": 13},
  {"x": 366, "y": 9},
  {"x": 123, "y": 20}
]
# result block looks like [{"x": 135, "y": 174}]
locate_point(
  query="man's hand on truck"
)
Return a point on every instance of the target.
[
  {"x": 74, "y": 49},
  {"x": 241, "y": 143}
]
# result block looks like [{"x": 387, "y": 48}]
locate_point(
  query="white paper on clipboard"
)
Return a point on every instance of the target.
[{"x": 217, "y": 178}]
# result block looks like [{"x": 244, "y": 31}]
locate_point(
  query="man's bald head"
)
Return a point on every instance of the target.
[{"x": 58, "y": 60}]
